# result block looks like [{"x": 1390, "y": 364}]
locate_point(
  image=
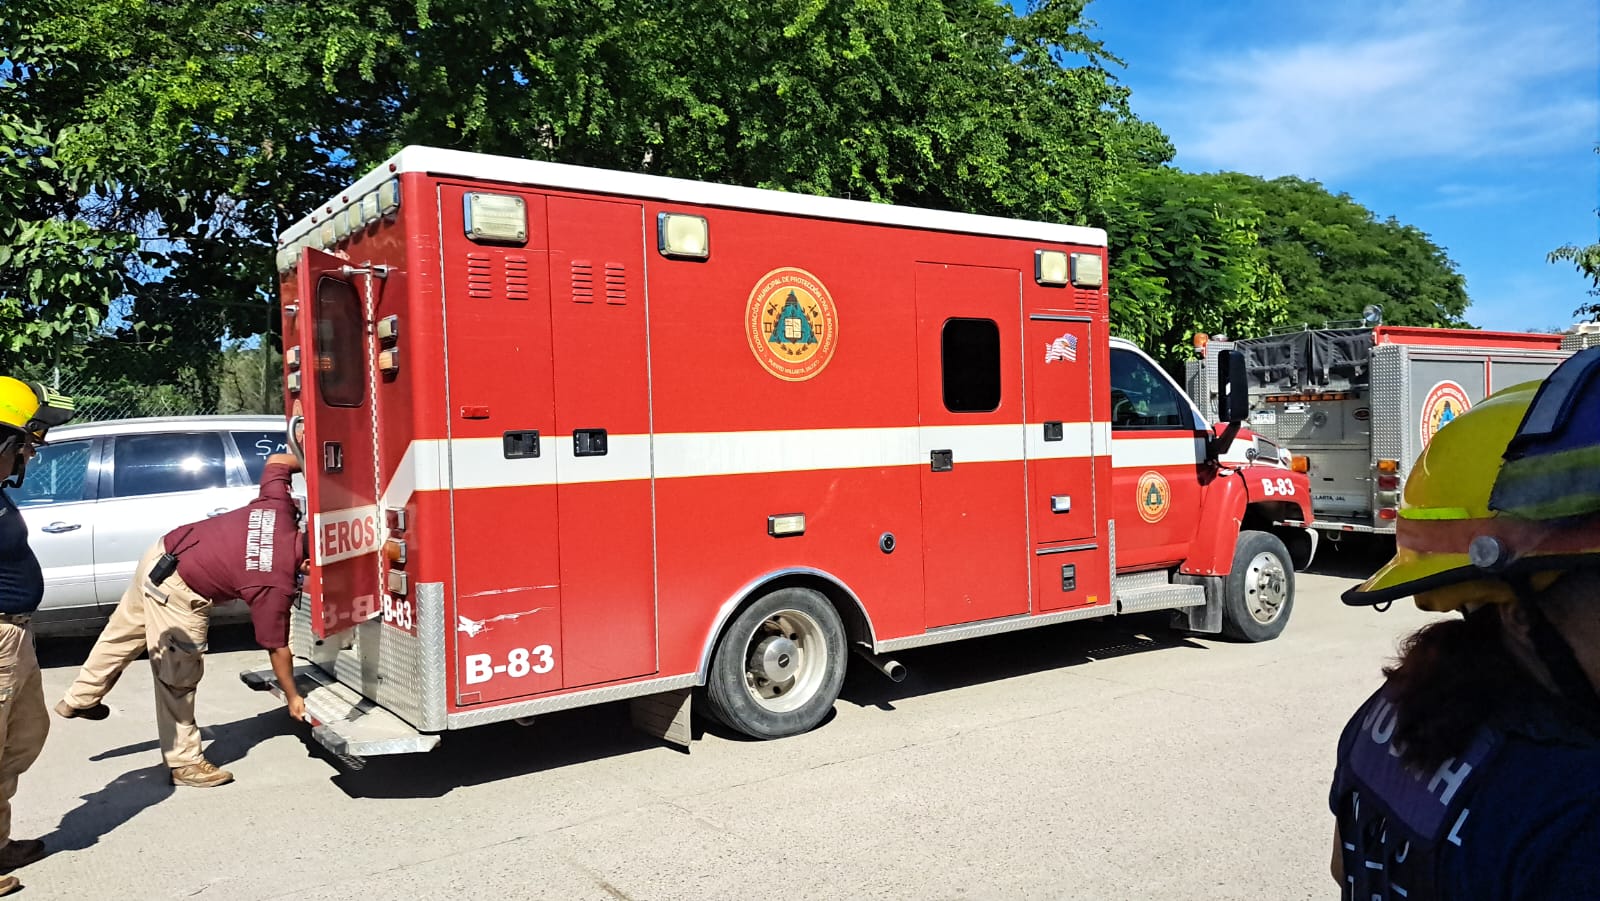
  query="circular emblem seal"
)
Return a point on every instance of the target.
[
  {"x": 1445, "y": 401},
  {"x": 792, "y": 324},
  {"x": 1155, "y": 497}
]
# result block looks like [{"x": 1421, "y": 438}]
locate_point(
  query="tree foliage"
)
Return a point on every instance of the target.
[
  {"x": 160, "y": 147},
  {"x": 1187, "y": 257},
  {"x": 1335, "y": 257}
]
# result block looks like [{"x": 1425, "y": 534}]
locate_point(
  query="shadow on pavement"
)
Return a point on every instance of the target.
[
  {"x": 1356, "y": 556},
  {"x": 997, "y": 657},
  {"x": 496, "y": 751},
  {"x": 104, "y": 811},
  {"x": 131, "y": 793},
  {"x": 503, "y": 750}
]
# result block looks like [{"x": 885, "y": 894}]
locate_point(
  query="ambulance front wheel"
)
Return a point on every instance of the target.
[
  {"x": 778, "y": 666},
  {"x": 1260, "y": 588}
]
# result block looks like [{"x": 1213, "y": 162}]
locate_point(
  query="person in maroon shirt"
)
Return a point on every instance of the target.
[{"x": 256, "y": 553}]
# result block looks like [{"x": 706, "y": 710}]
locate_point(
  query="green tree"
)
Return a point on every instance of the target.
[
  {"x": 1335, "y": 257},
  {"x": 1586, "y": 259},
  {"x": 214, "y": 124},
  {"x": 58, "y": 275},
  {"x": 1187, "y": 257}
]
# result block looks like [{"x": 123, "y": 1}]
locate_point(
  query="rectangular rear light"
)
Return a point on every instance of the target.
[{"x": 397, "y": 582}]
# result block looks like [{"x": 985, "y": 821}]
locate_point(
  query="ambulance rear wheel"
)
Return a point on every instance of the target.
[
  {"x": 1260, "y": 588},
  {"x": 778, "y": 666}
]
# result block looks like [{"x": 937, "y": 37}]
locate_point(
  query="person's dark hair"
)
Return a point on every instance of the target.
[{"x": 1452, "y": 678}]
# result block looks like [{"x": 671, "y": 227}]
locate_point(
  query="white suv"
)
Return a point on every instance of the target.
[{"x": 99, "y": 494}]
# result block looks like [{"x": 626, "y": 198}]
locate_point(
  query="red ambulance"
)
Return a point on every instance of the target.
[{"x": 574, "y": 436}]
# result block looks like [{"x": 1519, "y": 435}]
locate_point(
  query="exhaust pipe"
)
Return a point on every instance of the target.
[{"x": 888, "y": 666}]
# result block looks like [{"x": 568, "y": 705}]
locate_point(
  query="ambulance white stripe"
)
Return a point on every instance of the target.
[
  {"x": 1075, "y": 437},
  {"x": 481, "y": 463},
  {"x": 1148, "y": 453}
]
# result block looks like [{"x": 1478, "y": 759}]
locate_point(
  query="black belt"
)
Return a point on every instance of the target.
[{"x": 16, "y": 619}]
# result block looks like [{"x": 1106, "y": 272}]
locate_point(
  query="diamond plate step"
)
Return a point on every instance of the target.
[{"x": 1161, "y": 597}]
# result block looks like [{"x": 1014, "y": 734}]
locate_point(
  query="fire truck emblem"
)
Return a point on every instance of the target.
[
  {"x": 792, "y": 324},
  {"x": 1154, "y": 497},
  {"x": 1444, "y": 403}
]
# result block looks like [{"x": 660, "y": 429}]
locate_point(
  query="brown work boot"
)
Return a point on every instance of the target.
[
  {"x": 97, "y": 711},
  {"x": 9, "y": 884},
  {"x": 20, "y": 853},
  {"x": 200, "y": 775}
]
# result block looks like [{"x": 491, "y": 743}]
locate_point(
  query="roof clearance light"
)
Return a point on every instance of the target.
[
  {"x": 326, "y": 236},
  {"x": 341, "y": 226},
  {"x": 286, "y": 258},
  {"x": 681, "y": 236},
  {"x": 389, "y": 197},
  {"x": 369, "y": 208},
  {"x": 496, "y": 217},
  {"x": 1087, "y": 270},
  {"x": 1050, "y": 268}
]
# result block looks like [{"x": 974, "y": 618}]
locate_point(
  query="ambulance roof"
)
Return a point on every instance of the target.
[{"x": 509, "y": 170}]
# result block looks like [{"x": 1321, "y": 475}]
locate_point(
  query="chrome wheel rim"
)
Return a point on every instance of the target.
[
  {"x": 1266, "y": 588},
  {"x": 786, "y": 657}
]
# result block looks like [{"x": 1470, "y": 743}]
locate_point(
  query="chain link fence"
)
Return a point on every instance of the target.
[{"x": 241, "y": 378}]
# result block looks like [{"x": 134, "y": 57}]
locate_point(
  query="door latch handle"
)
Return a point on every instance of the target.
[
  {"x": 217, "y": 512},
  {"x": 941, "y": 460},
  {"x": 56, "y": 528}
]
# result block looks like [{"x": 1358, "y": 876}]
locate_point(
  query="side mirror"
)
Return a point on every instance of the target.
[{"x": 1233, "y": 388}]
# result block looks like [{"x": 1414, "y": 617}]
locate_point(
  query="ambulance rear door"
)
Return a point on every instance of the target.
[{"x": 330, "y": 383}]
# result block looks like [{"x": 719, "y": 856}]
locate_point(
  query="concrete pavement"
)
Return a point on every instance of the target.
[{"x": 1098, "y": 760}]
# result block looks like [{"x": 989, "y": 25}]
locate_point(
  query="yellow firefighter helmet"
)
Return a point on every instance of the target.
[{"x": 1509, "y": 490}]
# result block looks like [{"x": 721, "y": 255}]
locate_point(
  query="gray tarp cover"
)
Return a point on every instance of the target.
[{"x": 1333, "y": 359}]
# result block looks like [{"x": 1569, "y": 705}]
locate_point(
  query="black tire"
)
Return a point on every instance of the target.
[
  {"x": 1260, "y": 589},
  {"x": 737, "y": 690}
]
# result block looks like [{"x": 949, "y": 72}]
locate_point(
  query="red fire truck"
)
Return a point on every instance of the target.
[
  {"x": 1358, "y": 405},
  {"x": 574, "y": 436}
]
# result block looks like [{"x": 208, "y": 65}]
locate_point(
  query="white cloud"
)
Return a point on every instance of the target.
[{"x": 1417, "y": 81}]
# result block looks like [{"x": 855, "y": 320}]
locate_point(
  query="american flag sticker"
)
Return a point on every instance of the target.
[{"x": 1063, "y": 348}]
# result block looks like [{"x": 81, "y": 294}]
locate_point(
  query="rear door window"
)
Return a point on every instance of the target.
[
  {"x": 255, "y": 447},
  {"x": 59, "y": 474},
  {"x": 167, "y": 463},
  {"x": 338, "y": 338}
]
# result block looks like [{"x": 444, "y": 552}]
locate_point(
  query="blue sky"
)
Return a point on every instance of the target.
[{"x": 1475, "y": 121}]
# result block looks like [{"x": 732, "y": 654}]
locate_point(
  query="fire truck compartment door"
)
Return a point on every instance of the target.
[
  {"x": 974, "y": 494},
  {"x": 335, "y": 391}
]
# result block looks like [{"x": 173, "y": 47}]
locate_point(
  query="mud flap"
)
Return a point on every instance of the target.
[
  {"x": 1205, "y": 619},
  {"x": 664, "y": 716}
]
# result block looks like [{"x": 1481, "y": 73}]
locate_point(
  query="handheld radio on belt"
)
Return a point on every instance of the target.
[{"x": 167, "y": 564}]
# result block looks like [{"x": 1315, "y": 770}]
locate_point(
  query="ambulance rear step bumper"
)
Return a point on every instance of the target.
[{"x": 347, "y": 724}]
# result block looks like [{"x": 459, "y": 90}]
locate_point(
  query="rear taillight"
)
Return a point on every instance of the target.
[
  {"x": 394, "y": 552},
  {"x": 1388, "y": 483},
  {"x": 1388, "y": 514}
]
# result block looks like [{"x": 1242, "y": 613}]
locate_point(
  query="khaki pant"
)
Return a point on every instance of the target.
[
  {"x": 23, "y": 720},
  {"x": 171, "y": 623}
]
